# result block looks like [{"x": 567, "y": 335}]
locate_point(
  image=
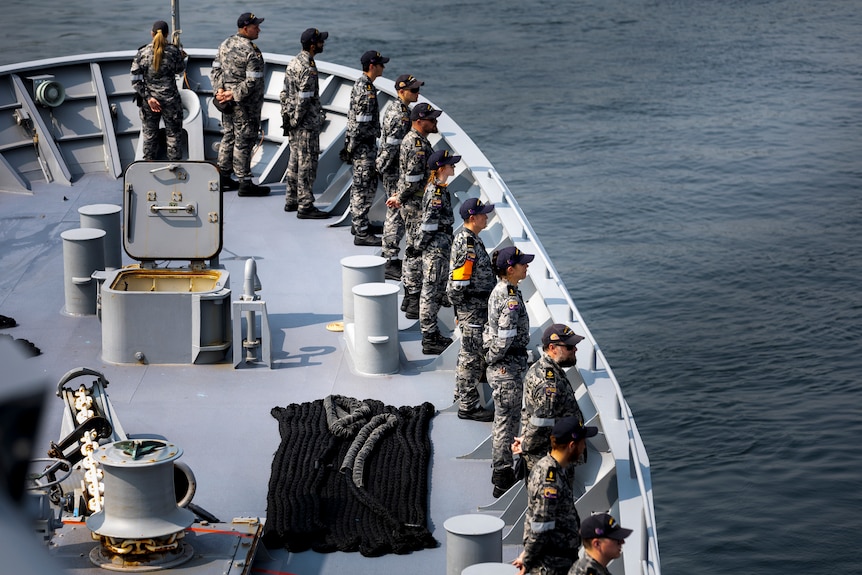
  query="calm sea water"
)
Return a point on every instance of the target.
[{"x": 694, "y": 169}]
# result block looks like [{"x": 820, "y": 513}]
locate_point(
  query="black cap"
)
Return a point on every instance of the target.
[
  {"x": 161, "y": 25},
  {"x": 442, "y": 158},
  {"x": 570, "y": 428},
  {"x": 246, "y": 19},
  {"x": 407, "y": 82},
  {"x": 510, "y": 256},
  {"x": 424, "y": 111},
  {"x": 373, "y": 57},
  {"x": 473, "y": 206},
  {"x": 562, "y": 334},
  {"x": 313, "y": 36},
  {"x": 603, "y": 525}
]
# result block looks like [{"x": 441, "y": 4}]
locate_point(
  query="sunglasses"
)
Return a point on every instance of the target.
[{"x": 414, "y": 90}]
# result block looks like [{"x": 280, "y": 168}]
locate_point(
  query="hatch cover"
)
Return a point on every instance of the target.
[{"x": 173, "y": 211}]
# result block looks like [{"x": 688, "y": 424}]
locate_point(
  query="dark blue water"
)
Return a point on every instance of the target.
[{"x": 694, "y": 169}]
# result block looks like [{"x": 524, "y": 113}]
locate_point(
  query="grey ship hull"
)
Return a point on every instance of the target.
[{"x": 219, "y": 414}]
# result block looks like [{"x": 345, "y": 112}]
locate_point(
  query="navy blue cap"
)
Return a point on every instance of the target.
[
  {"x": 603, "y": 525},
  {"x": 313, "y": 36},
  {"x": 373, "y": 57},
  {"x": 424, "y": 111},
  {"x": 473, "y": 206},
  {"x": 442, "y": 158},
  {"x": 562, "y": 334},
  {"x": 510, "y": 256},
  {"x": 570, "y": 429},
  {"x": 246, "y": 19},
  {"x": 407, "y": 82}
]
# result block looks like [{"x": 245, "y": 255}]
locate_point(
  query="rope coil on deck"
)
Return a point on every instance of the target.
[{"x": 350, "y": 475}]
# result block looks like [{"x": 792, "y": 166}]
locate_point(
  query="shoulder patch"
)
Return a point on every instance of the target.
[
  {"x": 591, "y": 571},
  {"x": 418, "y": 143},
  {"x": 549, "y": 492},
  {"x": 551, "y": 476},
  {"x": 512, "y": 290},
  {"x": 549, "y": 374},
  {"x": 512, "y": 304}
]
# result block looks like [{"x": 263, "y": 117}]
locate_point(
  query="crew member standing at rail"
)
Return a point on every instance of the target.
[
  {"x": 435, "y": 244},
  {"x": 303, "y": 118},
  {"x": 506, "y": 337},
  {"x": 396, "y": 124},
  {"x": 412, "y": 176},
  {"x": 548, "y": 393},
  {"x": 363, "y": 129},
  {"x": 154, "y": 79},
  {"x": 237, "y": 79},
  {"x": 603, "y": 540},
  {"x": 470, "y": 283},
  {"x": 551, "y": 523}
]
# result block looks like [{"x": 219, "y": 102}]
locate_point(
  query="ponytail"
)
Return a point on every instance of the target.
[{"x": 159, "y": 42}]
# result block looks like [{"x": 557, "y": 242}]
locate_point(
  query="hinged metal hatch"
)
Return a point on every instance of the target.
[{"x": 173, "y": 211}]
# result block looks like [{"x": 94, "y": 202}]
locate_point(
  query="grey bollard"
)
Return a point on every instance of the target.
[
  {"x": 490, "y": 569},
  {"x": 357, "y": 270},
  {"x": 375, "y": 347},
  {"x": 83, "y": 253},
  {"x": 106, "y": 217},
  {"x": 471, "y": 539}
]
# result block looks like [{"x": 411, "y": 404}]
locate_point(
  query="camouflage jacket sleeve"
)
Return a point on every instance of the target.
[
  {"x": 413, "y": 173},
  {"x": 462, "y": 260},
  {"x": 506, "y": 307},
  {"x": 308, "y": 110},
  {"x": 545, "y": 493},
  {"x": 249, "y": 84},
  {"x": 363, "y": 119},
  {"x": 432, "y": 213},
  {"x": 396, "y": 123},
  {"x": 139, "y": 84},
  {"x": 216, "y": 72}
]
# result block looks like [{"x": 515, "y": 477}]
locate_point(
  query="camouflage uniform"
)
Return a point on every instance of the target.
[
  {"x": 435, "y": 241},
  {"x": 412, "y": 176},
  {"x": 551, "y": 525},
  {"x": 363, "y": 129},
  {"x": 304, "y": 116},
  {"x": 396, "y": 124},
  {"x": 239, "y": 67},
  {"x": 548, "y": 396},
  {"x": 160, "y": 84},
  {"x": 506, "y": 337},
  {"x": 586, "y": 565},
  {"x": 470, "y": 283}
]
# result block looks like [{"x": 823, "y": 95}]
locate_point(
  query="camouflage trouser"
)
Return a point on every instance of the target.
[
  {"x": 471, "y": 364},
  {"x": 435, "y": 272},
  {"x": 393, "y": 225},
  {"x": 302, "y": 167},
  {"x": 241, "y": 129},
  {"x": 506, "y": 378},
  {"x": 553, "y": 566},
  {"x": 172, "y": 115},
  {"x": 411, "y": 269},
  {"x": 364, "y": 186}
]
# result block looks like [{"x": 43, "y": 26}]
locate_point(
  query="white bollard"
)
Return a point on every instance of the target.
[
  {"x": 83, "y": 254},
  {"x": 106, "y": 217},
  {"x": 357, "y": 270},
  {"x": 375, "y": 348},
  {"x": 471, "y": 539},
  {"x": 490, "y": 569}
]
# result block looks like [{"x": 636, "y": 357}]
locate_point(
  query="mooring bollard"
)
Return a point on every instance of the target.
[
  {"x": 357, "y": 270},
  {"x": 83, "y": 254},
  {"x": 471, "y": 539},
  {"x": 376, "y": 349},
  {"x": 106, "y": 217}
]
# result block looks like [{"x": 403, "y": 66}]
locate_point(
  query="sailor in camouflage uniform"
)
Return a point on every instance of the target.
[
  {"x": 603, "y": 540},
  {"x": 470, "y": 283},
  {"x": 435, "y": 243},
  {"x": 303, "y": 118},
  {"x": 412, "y": 177},
  {"x": 505, "y": 338},
  {"x": 237, "y": 79},
  {"x": 548, "y": 394},
  {"x": 363, "y": 129},
  {"x": 154, "y": 72},
  {"x": 396, "y": 124},
  {"x": 551, "y": 524}
]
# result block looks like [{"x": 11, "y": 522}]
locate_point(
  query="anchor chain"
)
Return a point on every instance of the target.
[{"x": 93, "y": 474}]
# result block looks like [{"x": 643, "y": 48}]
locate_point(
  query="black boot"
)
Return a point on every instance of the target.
[
  {"x": 249, "y": 188},
  {"x": 410, "y": 306},
  {"x": 502, "y": 479},
  {"x": 434, "y": 344},
  {"x": 367, "y": 239},
  {"x": 227, "y": 183},
  {"x": 312, "y": 213},
  {"x": 392, "y": 270}
]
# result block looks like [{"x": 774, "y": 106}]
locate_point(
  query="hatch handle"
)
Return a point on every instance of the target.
[{"x": 189, "y": 209}]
